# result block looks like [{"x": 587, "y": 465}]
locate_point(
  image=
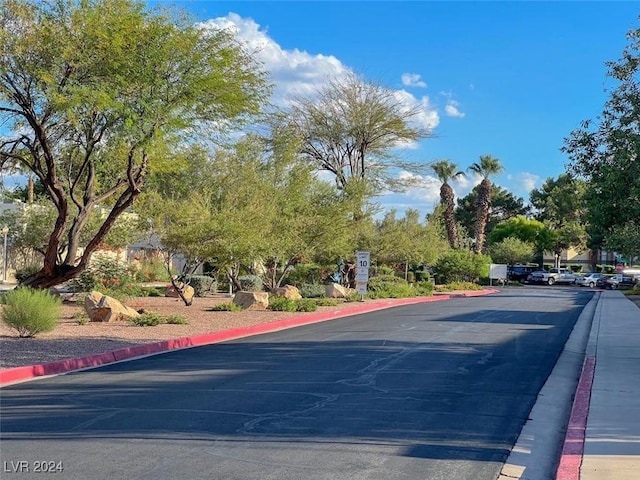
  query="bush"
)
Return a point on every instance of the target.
[
  {"x": 326, "y": 302},
  {"x": 104, "y": 273},
  {"x": 389, "y": 286},
  {"x": 281, "y": 304},
  {"x": 462, "y": 265},
  {"x": 311, "y": 290},
  {"x": 202, "y": 284},
  {"x": 31, "y": 311},
  {"x": 151, "y": 319},
  {"x": 153, "y": 270},
  {"x": 25, "y": 272},
  {"x": 225, "y": 307},
  {"x": 424, "y": 288},
  {"x": 456, "y": 286},
  {"x": 250, "y": 283},
  {"x": 309, "y": 273}
]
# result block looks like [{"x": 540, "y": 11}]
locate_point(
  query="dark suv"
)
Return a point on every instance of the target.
[{"x": 519, "y": 273}]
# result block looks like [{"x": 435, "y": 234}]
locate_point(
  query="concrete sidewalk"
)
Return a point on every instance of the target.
[
  {"x": 603, "y": 435},
  {"x": 612, "y": 437}
]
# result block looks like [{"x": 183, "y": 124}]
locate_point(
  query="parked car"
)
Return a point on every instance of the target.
[
  {"x": 588, "y": 279},
  {"x": 519, "y": 273},
  {"x": 553, "y": 276},
  {"x": 602, "y": 281},
  {"x": 619, "y": 281}
]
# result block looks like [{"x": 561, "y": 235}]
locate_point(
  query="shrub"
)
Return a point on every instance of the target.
[
  {"x": 31, "y": 311},
  {"x": 306, "y": 305},
  {"x": 202, "y": 284},
  {"x": 455, "y": 286},
  {"x": 309, "y": 273},
  {"x": 462, "y": 265},
  {"x": 326, "y": 302},
  {"x": 153, "y": 270},
  {"x": 152, "y": 319},
  {"x": 281, "y": 304},
  {"x": 424, "y": 288},
  {"x": 104, "y": 273},
  {"x": 226, "y": 307},
  {"x": 250, "y": 283},
  {"x": 148, "y": 319},
  {"x": 311, "y": 290},
  {"x": 25, "y": 272},
  {"x": 175, "y": 320}
]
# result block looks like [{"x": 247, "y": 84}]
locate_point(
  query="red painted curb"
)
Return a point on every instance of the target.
[
  {"x": 13, "y": 375},
  {"x": 573, "y": 448}
]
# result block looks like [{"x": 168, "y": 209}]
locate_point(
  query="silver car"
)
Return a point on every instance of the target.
[{"x": 589, "y": 279}]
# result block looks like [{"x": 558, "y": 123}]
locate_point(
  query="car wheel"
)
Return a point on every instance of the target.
[
  {"x": 551, "y": 281},
  {"x": 591, "y": 285}
]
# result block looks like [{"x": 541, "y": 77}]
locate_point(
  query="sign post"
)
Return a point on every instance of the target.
[{"x": 363, "y": 260}]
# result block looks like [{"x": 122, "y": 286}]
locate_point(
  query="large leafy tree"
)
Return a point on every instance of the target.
[
  {"x": 248, "y": 209},
  {"x": 527, "y": 230},
  {"x": 350, "y": 129},
  {"x": 511, "y": 251},
  {"x": 487, "y": 167},
  {"x": 447, "y": 171},
  {"x": 559, "y": 204},
  {"x": 606, "y": 151},
  {"x": 408, "y": 241},
  {"x": 504, "y": 205},
  {"x": 99, "y": 92}
]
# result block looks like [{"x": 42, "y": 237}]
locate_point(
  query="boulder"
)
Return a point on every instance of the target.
[
  {"x": 288, "y": 291},
  {"x": 252, "y": 300},
  {"x": 335, "y": 290},
  {"x": 187, "y": 291},
  {"x": 101, "y": 308}
]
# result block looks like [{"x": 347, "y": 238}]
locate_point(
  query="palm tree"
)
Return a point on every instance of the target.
[
  {"x": 487, "y": 167},
  {"x": 445, "y": 170}
]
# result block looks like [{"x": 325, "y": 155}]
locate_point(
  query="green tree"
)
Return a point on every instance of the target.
[
  {"x": 605, "y": 151},
  {"x": 447, "y": 171},
  {"x": 350, "y": 129},
  {"x": 511, "y": 251},
  {"x": 407, "y": 241},
  {"x": 625, "y": 239},
  {"x": 559, "y": 204},
  {"x": 462, "y": 265},
  {"x": 504, "y": 205},
  {"x": 486, "y": 167},
  {"x": 97, "y": 93}
]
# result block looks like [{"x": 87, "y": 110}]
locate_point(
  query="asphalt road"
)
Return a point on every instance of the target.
[{"x": 430, "y": 391}]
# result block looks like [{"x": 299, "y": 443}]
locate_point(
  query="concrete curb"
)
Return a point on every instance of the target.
[
  {"x": 573, "y": 448},
  {"x": 28, "y": 372}
]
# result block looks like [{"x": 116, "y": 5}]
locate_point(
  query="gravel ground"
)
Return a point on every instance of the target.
[{"x": 71, "y": 339}]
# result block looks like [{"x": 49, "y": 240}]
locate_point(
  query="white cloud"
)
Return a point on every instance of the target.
[
  {"x": 524, "y": 182},
  {"x": 293, "y": 72},
  {"x": 451, "y": 109},
  {"x": 412, "y": 80},
  {"x": 296, "y": 72}
]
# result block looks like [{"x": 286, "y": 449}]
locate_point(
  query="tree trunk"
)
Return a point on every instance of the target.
[
  {"x": 483, "y": 204},
  {"x": 447, "y": 199}
]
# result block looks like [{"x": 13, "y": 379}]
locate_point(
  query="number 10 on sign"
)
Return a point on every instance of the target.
[{"x": 362, "y": 271}]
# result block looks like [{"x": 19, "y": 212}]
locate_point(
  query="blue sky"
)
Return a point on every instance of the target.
[{"x": 510, "y": 79}]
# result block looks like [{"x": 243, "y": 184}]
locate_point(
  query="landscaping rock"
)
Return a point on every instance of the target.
[
  {"x": 288, "y": 291},
  {"x": 102, "y": 308},
  {"x": 335, "y": 290},
  {"x": 252, "y": 300}
]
